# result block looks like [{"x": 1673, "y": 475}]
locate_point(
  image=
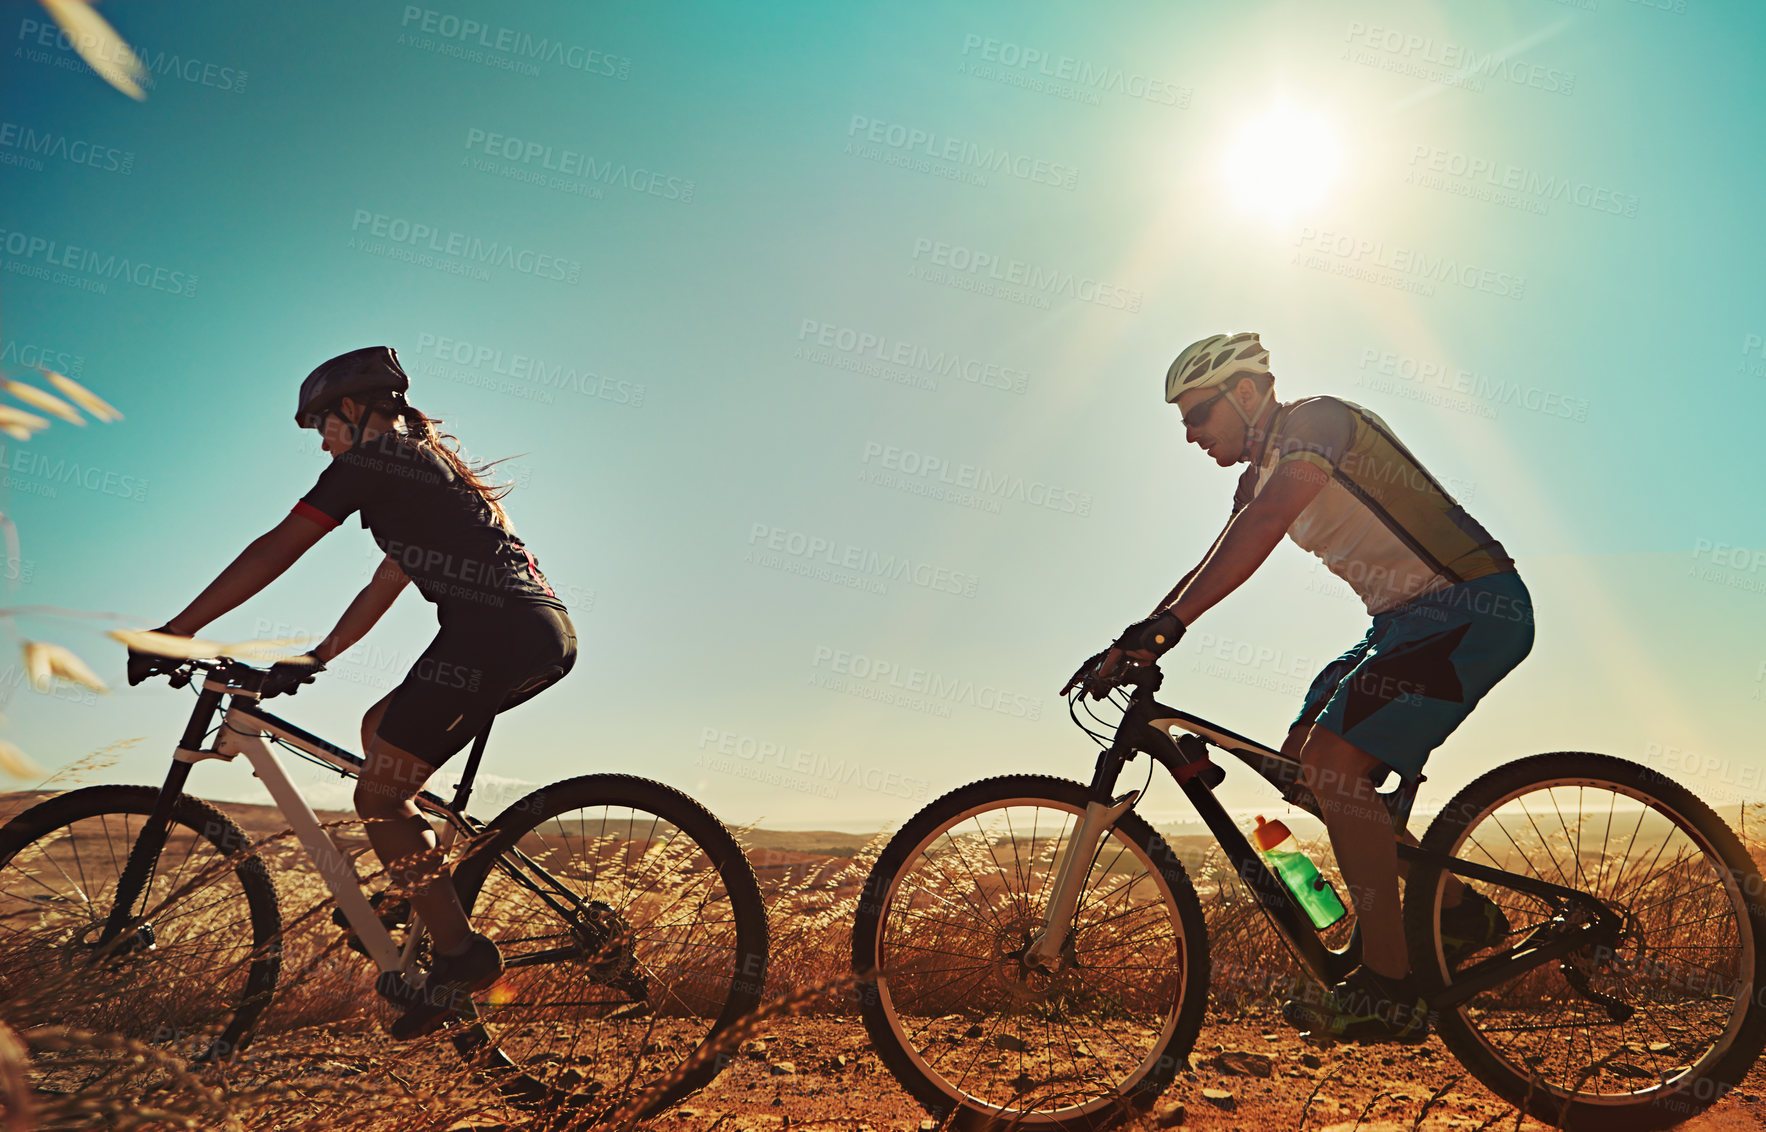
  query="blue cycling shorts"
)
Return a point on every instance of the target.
[{"x": 1421, "y": 669}]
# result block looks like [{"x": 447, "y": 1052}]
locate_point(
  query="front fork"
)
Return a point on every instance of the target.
[
  {"x": 1075, "y": 861},
  {"x": 1099, "y": 818},
  {"x": 144, "y": 854}
]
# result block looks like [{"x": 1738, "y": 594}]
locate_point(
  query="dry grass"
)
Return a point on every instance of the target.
[
  {"x": 75, "y": 1053},
  {"x": 811, "y": 901},
  {"x": 116, "y": 1044}
]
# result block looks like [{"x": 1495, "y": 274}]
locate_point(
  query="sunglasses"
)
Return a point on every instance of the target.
[{"x": 1199, "y": 411}]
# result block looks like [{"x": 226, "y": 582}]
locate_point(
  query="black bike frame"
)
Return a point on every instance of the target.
[
  {"x": 1146, "y": 729},
  {"x": 233, "y": 677}
]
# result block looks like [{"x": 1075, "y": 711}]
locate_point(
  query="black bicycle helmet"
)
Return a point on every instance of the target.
[{"x": 372, "y": 369}]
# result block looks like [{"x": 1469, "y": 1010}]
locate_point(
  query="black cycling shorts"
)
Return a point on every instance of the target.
[{"x": 478, "y": 665}]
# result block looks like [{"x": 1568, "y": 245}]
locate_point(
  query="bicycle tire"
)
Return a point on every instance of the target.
[
  {"x": 1601, "y": 1089},
  {"x": 736, "y": 948},
  {"x": 1183, "y": 998},
  {"x": 204, "y": 1013}
]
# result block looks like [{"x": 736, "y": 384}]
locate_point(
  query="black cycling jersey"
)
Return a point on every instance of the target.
[{"x": 439, "y": 531}]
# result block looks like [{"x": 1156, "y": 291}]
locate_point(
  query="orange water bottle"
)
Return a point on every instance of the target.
[{"x": 1276, "y": 844}]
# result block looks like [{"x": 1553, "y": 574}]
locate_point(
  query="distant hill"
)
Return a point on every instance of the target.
[{"x": 261, "y": 821}]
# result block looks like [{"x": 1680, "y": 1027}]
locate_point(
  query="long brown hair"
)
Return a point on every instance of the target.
[{"x": 420, "y": 428}]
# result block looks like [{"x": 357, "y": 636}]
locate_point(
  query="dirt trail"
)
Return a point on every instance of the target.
[
  {"x": 1732, "y": 1116},
  {"x": 1379, "y": 1088},
  {"x": 820, "y": 1073}
]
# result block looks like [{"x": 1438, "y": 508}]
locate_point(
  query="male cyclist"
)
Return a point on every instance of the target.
[{"x": 1450, "y": 619}]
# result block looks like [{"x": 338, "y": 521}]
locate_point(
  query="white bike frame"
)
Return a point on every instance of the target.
[{"x": 244, "y": 732}]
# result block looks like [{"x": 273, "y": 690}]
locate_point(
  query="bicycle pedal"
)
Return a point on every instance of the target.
[{"x": 391, "y": 986}]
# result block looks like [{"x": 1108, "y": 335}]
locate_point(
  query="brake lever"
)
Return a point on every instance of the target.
[
  {"x": 1107, "y": 677},
  {"x": 1128, "y": 671},
  {"x": 1082, "y": 674}
]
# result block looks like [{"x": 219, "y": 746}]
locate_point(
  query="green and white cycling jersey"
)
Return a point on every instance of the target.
[{"x": 1383, "y": 524}]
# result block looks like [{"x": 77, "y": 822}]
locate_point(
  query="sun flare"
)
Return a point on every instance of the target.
[{"x": 1282, "y": 163}]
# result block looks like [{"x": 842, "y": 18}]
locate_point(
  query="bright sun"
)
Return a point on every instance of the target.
[{"x": 1282, "y": 163}]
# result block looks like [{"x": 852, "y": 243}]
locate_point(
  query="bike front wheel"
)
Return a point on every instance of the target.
[
  {"x": 194, "y": 967},
  {"x": 961, "y": 1016},
  {"x": 1638, "y": 1035},
  {"x": 632, "y": 933}
]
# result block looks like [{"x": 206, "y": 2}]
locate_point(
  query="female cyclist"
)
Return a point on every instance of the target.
[{"x": 504, "y": 634}]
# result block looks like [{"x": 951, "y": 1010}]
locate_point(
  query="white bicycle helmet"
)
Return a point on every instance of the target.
[{"x": 1215, "y": 360}]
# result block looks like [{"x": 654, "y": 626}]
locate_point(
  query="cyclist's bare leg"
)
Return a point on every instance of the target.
[
  {"x": 1292, "y": 746},
  {"x": 390, "y": 779},
  {"x": 1338, "y": 773}
]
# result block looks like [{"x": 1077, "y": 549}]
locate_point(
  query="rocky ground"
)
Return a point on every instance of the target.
[{"x": 1250, "y": 1073}]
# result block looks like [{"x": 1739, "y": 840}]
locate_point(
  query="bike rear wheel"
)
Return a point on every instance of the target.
[
  {"x": 955, "y": 1012},
  {"x": 1686, "y": 964},
  {"x": 664, "y": 945},
  {"x": 194, "y": 971}
]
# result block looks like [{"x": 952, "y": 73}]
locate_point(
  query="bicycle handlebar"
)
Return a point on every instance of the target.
[
  {"x": 238, "y": 674},
  {"x": 1111, "y": 669}
]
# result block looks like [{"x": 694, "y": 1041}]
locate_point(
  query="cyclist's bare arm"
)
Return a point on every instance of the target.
[
  {"x": 367, "y": 608},
  {"x": 1239, "y": 550},
  {"x": 256, "y": 567},
  {"x": 1105, "y": 662},
  {"x": 1194, "y": 570},
  {"x": 1250, "y": 536}
]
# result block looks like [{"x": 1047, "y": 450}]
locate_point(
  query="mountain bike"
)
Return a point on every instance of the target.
[
  {"x": 1031, "y": 952},
  {"x": 629, "y": 919}
]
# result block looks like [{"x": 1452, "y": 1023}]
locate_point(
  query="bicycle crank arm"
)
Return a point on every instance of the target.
[{"x": 1045, "y": 949}]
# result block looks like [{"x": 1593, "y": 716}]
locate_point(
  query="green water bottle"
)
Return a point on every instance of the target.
[{"x": 1315, "y": 894}]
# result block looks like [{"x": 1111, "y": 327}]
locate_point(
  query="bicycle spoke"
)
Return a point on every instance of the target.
[
  {"x": 963, "y": 860},
  {"x": 933, "y": 894},
  {"x": 1679, "y": 959},
  {"x": 625, "y": 1010},
  {"x": 1625, "y": 857},
  {"x": 1067, "y": 1035},
  {"x": 1545, "y": 843}
]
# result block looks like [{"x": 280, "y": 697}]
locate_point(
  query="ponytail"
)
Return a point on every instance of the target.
[{"x": 420, "y": 429}]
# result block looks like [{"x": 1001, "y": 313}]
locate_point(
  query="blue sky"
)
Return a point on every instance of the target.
[{"x": 711, "y": 275}]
